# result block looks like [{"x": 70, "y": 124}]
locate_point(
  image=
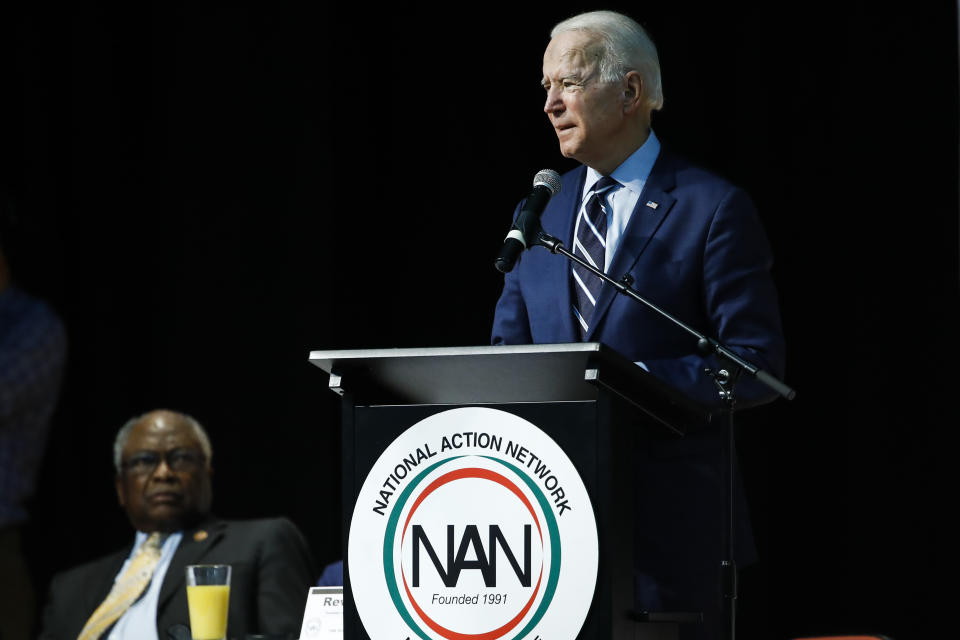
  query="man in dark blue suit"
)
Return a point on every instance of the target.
[{"x": 693, "y": 245}]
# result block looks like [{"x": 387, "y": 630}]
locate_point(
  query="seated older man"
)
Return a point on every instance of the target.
[{"x": 163, "y": 482}]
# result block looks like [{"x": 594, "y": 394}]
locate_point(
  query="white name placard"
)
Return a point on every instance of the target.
[{"x": 323, "y": 615}]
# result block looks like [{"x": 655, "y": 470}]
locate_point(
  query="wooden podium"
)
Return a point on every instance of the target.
[{"x": 596, "y": 405}]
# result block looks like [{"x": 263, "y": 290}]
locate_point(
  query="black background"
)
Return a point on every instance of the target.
[{"x": 208, "y": 193}]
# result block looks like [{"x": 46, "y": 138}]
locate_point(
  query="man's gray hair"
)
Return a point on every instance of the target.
[
  {"x": 624, "y": 46},
  {"x": 124, "y": 433}
]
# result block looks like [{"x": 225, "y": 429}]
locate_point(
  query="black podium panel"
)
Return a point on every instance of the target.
[
  {"x": 504, "y": 374},
  {"x": 597, "y": 406}
]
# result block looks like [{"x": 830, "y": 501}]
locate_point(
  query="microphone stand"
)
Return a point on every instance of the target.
[{"x": 732, "y": 367}]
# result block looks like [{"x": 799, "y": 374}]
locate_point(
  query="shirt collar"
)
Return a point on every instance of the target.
[
  {"x": 634, "y": 171},
  {"x": 165, "y": 540}
]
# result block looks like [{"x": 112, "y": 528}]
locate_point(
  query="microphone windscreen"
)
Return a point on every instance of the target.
[{"x": 548, "y": 178}]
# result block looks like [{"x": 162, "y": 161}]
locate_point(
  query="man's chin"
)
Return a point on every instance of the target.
[
  {"x": 569, "y": 151},
  {"x": 166, "y": 519}
]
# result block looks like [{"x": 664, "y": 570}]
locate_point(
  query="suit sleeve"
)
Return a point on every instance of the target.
[
  {"x": 510, "y": 322},
  {"x": 73, "y": 595},
  {"x": 52, "y": 617},
  {"x": 285, "y": 575},
  {"x": 740, "y": 302}
]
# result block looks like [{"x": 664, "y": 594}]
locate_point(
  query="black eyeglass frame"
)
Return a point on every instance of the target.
[{"x": 180, "y": 459}]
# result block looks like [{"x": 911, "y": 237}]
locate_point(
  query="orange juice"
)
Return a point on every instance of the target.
[{"x": 208, "y": 611}]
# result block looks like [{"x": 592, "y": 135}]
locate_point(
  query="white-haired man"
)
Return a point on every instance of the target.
[
  {"x": 163, "y": 483},
  {"x": 691, "y": 243}
]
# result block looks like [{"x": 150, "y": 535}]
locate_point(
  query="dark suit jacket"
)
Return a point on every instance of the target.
[
  {"x": 699, "y": 252},
  {"x": 272, "y": 572}
]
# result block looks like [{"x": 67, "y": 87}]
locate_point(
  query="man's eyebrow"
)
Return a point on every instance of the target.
[
  {"x": 176, "y": 448},
  {"x": 573, "y": 77}
]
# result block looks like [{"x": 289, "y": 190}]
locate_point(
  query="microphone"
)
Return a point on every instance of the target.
[{"x": 527, "y": 225}]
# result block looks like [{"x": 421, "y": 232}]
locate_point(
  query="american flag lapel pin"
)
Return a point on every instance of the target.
[{"x": 652, "y": 204}]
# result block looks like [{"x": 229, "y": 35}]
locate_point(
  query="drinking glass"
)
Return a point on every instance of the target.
[{"x": 208, "y": 598}]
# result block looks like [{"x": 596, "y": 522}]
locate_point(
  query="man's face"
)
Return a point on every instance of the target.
[
  {"x": 586, "y": 113},
  {"x": 164, "y": 481}
]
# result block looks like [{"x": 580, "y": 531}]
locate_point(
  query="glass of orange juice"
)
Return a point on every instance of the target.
[{"x": 208, "y": 597}]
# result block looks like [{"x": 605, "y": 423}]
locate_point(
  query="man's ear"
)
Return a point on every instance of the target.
[{"x": 632, "y": 92}]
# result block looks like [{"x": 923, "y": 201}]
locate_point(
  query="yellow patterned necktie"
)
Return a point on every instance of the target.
[{"x": 127, "y": 588}]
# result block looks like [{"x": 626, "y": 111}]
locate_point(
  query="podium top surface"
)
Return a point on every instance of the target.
[{"x": 499, "y": 375}]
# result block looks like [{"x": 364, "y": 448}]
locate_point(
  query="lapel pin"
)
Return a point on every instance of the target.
[
  {"x": 200, "y": 536},
  {"x": 652, "y": 204}
]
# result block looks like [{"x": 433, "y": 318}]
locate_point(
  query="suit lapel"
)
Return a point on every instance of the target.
[
  {"x": 192, "y": 548},
  {"x": 568, "y": 204},
  {"x": 643, "y": 224},
  {"x": 99, "y": 591}
]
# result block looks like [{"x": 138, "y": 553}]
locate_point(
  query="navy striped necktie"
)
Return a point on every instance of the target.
[{"x": 590, "y": 244}]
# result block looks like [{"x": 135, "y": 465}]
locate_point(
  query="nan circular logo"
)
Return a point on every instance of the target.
[{"x": 473, "y": 525}]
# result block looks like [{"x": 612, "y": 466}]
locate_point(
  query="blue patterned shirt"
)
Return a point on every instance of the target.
[{"x": 33, "y": 345}]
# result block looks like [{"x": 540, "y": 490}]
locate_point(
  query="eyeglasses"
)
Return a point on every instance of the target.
[{"x": 146, "y": 462}]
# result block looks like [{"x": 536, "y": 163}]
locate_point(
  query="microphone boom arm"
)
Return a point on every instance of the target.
[
  {"x": 725, "y": 381},
  {"x": 704, "y": 344}
]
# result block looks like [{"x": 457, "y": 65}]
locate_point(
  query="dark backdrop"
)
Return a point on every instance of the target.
[{"x": 207, "y": 194}]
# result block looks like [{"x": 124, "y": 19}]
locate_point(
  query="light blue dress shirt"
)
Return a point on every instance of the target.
[
  {"x": 140, "y": 620},
  {"x": 632, "y": 176}
]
